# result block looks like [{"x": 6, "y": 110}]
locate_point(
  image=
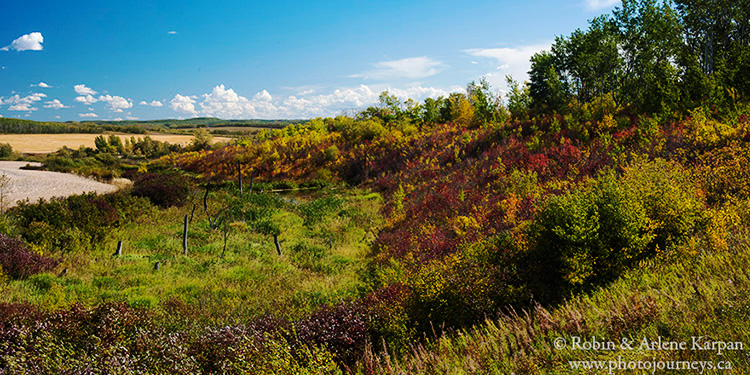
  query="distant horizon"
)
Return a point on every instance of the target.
[
  {"x": 128, "y": 61},
  {"x": 291, "y": 120}
]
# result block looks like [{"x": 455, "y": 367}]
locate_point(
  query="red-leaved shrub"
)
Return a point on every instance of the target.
[{"x": 18, "y": 262}]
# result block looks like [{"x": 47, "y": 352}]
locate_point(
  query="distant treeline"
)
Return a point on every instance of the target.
[
  {"x": 17, "y": 126},
  {"x": 199, "y": 122}
]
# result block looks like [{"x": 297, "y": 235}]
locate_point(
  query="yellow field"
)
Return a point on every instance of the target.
[{"x": 45, "y": 143}]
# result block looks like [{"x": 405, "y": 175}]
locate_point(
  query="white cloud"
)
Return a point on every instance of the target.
[
  {"x": 116, "y": 102},
  {"x": 88, "y": 99},
  {"x": 83, "y": 90},
  {"x": 261, "y": 96},
  {"x": 28, "y": 42},
  {"x": 339, "y": 100},
  {"x": 599, "y": 4},
  {"x": 131, "y": 118},
  {"x": 56, "y": 104},
  {"x": 182, "y": 104},
  {"x": 42, "y": 85},
  {"x": 172, "y": 32},
  {"x": 509, "y": 61},
  {"x": 118, "y": 110},
  {"x": 22, "y": 107},
  {"x": 92, "y": 115},
  {"x": 154, "y": 103},
  {"x": 23, "y": 103},
  {"x": 117, "y": 119},
  {"x": 411, "y": 68},
  {"x": 418, "y": 93},
  {"x": 225, "y": 103}
]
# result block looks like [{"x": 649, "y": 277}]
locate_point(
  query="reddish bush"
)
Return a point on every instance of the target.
[
  {"x": 163, "y": 189},
  {"x": 341, "y": 329},
  {"x": 18, "y": 262}
]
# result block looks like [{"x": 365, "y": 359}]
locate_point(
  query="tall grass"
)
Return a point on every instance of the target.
[{"x": 695, "y": 291}]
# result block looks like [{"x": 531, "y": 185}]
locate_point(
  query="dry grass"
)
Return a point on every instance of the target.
[{"x": 45, "y": 143}]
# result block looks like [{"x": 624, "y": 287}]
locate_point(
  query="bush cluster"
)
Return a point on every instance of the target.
[
  {"x": 163, "y": 189},
  {"x": 590, "y": 236},
  {"x": 17, "y": 261},
  {"x": 75, "y": 222}
]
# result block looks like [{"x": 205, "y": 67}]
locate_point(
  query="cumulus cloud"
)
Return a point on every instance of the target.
[
  {"x": 172, "y": 32},
  {"x": 131, "y": 118},
  {"x": 83, "y": 90},
  {"x": 42, "y": 85},
  {"x": 411, "y": 68},
  {"x": 88, "y": 99},
  {"x": 116, "y": 102},
  {"x": 154, "y": 103},
  {"x": 28, "y": 42},
  {"x": 91, "y": 115},
  {"x": 225, "y": 103},
  {"x": 23, "y": 103},
  {"x": 182, "y": 104},
  {"x": 262, "y": 96},
  {"x": 339, "y": 100},
  {"x": 22, "y": 107},
  {"x": 599, "y": 4},
  {"x": 508, "y": 61},
  {"x": 56, "y": 104}
]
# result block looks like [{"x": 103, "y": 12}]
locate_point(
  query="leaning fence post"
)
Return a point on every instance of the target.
[{"x": 276, "y": 242}]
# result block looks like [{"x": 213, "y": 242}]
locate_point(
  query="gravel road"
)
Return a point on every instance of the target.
[{"x": 42, "y": 184}]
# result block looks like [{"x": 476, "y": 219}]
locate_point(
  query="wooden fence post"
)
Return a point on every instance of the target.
[
  {"x": 276, "y": 242},
  {"x": 118, "y": 252},
  {"x": 239, "y": 174},
  {"x": 184, "y": 236}
]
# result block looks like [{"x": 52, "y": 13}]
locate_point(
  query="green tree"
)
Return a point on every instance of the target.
[
  {"x": 650, "y": 37},
  {"x": 547, "y": 91},
  {"x": 519, "y": 99},
  {"x": 487, "y": 105},
  {"x": 202, "y": 139}
]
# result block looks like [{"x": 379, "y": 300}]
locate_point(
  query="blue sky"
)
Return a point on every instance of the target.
[{"x": 109, "y": 60}]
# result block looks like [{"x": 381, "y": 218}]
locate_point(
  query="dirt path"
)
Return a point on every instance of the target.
[{"x": 42, "y": 184}]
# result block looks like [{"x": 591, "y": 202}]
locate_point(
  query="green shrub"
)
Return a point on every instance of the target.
[
  {"x": 669, "y": 196},
  {"x": 75, "y": 222},
  {"x": 6, "y": 150},
  {"x": 591, "y": 235}
]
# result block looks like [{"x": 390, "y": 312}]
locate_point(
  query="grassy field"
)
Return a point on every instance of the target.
[
  {"x": 45, "y": 143},
  {"x": 250, "y": 279}
]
